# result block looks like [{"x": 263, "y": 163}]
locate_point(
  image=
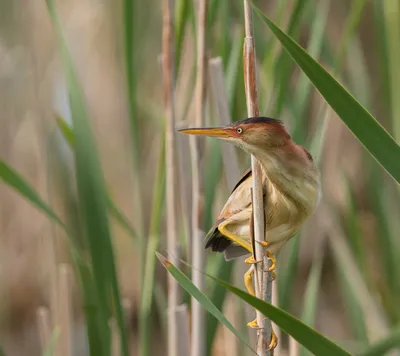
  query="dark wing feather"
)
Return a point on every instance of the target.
[{"x": 214, "y": 238}]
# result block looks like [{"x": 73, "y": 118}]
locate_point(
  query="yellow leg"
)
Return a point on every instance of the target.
[
  {"x": 248, "y": 282},
  {"x": 274, "y": 341}
]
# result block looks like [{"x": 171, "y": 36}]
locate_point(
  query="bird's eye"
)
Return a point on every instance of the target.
[{"x": 239, "y": 130}]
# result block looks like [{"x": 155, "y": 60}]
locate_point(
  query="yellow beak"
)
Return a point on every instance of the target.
[{"x": 219, "y": 132}]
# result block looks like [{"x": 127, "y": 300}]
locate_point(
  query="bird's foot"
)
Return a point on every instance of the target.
[
  {"x": 273, "y": 275},
  {"x": 251, "y": 260},
  {"x": 273, "y": 265},
  {"x": 269, "y": 255},
  {"x": 274, "y": 341},
  {"x": 253, "y": 324}
]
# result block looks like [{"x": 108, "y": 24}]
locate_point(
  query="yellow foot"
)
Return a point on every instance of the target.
[
  {"x": 253, "y": 324},
  {"x": 251, "y": 260},
  {"x": 273, "y": 259},
  {"x": 274, "y": 341}
]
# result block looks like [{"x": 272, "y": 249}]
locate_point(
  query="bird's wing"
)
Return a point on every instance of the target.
[
  {"x": 239, "y": 200},
  {"x": 246, "y": 175}
]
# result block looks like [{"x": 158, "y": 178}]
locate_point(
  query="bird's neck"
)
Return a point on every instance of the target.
[{"x": 291, "y": 171}]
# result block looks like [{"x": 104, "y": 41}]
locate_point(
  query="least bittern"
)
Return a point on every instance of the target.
[{"x": 290, "y": 184}]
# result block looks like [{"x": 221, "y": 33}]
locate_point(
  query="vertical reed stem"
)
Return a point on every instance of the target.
[
  {"x": 261, "y": 277},
  {"x": 65, "y": 310},
  {"x": 169, "y": 86},
  {"x": 43, "y": 322},
  {"x": 198, "y": 252}
]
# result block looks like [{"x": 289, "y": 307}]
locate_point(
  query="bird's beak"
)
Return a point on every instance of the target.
[{"x": 218, "y": 132}]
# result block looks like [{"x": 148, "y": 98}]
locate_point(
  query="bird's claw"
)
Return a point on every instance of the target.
[
  {"x": 273, "y": 265},
  {"x": 263, "y": 243},
  {"x": 253, "y": 324},
  {"x": 251, "y": 260},
  {"x": 274, "y": 341}
]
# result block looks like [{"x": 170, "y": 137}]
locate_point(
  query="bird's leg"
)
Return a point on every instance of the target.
[{"x": 248, "y": 282}]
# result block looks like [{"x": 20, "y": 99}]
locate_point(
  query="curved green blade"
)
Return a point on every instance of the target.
[
  {"x": 116, "y": 213},
  {"x": 14, "y": 180},
  {"x": 187, "y": 284},
  {"x": 308, "y": 337},
  {"x": 93, "y": 211},
  {"x": 362, "y": 124}
]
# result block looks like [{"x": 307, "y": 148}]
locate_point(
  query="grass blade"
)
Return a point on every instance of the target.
[
  {"x": 14, "y": 180},
  {"x": 391, "y": 10},
  {"x": 309, "y": 338},
  {"x": 49, "y": 351},
  {"x": 92, "y": 204},
  {"x": 187, "y": 284},
  {"x": 312, "y": 340},
  {"x": 223, "y": 270},
  {"x": 363, "y": 125},
  {"x": 149, "y": 269},
  {"x": 115, "y": 212}
]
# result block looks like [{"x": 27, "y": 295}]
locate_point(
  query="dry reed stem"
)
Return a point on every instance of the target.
[
  {"x": 182, "y": 317},
  {"x": 65, "y": 310},
  {"x": 198, "y": 252},
  {"x": 294, "y": 347},
  {"x": 217, "y": 85},
  {"x": 169, "y": 88},
  {"x": 250, "y": 81},
  {"x": 43, "y": 322}
]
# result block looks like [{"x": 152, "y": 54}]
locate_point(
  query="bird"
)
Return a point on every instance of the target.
[{"x": 290, "y": 184}]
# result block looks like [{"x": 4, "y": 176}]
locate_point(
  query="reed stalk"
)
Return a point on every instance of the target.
[
  {"x": 198, "y": 253},
  {"x": 169, "y": 88},
  {"x": 262, "y": 280},
  {"x": 44, "y": 326},
  {"x": 65, "y": 310}
]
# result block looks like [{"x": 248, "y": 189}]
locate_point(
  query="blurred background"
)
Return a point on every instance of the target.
[{"x": 340, "y": 275}]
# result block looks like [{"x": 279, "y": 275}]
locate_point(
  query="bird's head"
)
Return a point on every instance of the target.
[{"x": 252, "y": 134}]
